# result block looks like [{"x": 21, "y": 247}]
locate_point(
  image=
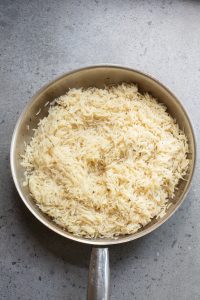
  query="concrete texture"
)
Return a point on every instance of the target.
[{"x": 42, "y": 39}]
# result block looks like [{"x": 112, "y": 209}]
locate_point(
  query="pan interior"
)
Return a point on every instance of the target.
[{"x": 98, "y": 76}]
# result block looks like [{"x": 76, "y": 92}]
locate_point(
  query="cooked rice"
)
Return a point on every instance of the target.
[{"x": 104, "y": 162}]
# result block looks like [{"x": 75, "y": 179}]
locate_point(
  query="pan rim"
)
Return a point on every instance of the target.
[{"x": 54, "y": 227}]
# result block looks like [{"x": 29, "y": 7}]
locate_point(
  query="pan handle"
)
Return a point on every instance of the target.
[{"x": 99, "y": 275}]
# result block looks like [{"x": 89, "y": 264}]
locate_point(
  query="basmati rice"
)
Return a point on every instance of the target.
[{"x": 104, "y": 162}]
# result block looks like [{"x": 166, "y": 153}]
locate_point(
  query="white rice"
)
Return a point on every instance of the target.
[{"x": 104, "y": 162}]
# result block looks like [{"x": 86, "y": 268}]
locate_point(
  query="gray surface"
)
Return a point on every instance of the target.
[{"x": 42, "y": 39}]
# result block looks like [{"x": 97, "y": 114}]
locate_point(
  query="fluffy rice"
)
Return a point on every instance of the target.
[{"x": 104, "y": 162}]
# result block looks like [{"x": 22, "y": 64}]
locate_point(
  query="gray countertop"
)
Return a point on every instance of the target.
[{"x": 40, "y": 40}]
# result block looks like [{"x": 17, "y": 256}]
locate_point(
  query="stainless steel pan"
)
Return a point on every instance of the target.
[{"x": 98, "y": 286}]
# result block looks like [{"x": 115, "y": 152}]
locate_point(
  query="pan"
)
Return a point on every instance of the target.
[{"x": 37, "y": 108}]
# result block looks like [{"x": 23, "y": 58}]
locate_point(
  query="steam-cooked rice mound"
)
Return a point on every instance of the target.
[{"x": 104, "y": 162}]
